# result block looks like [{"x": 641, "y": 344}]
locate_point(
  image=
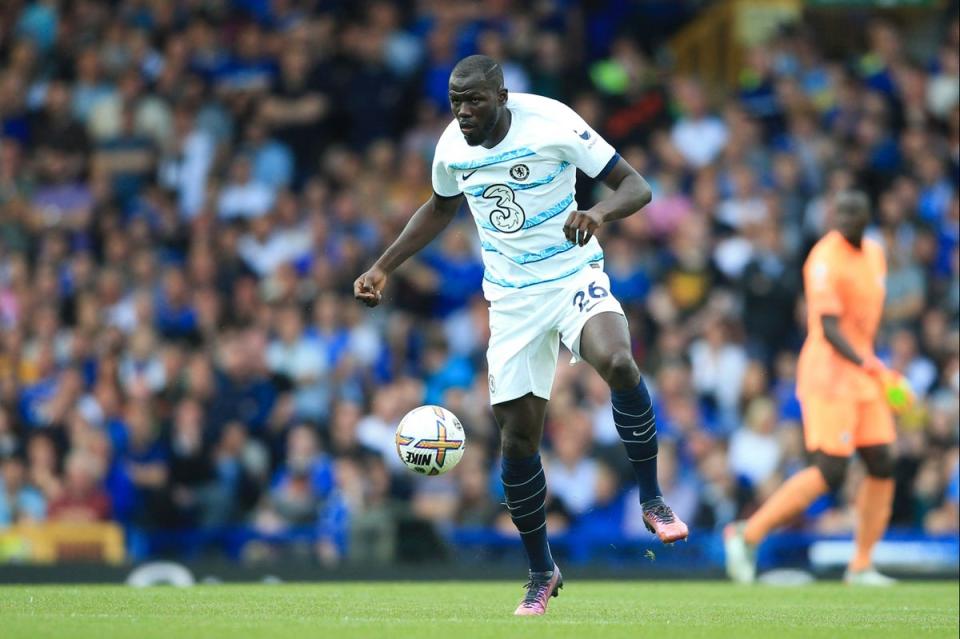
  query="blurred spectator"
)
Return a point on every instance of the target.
[
  {"x": 243, "y": 196},
  {"x": 241, "y": 471},
  {"x": 575, "y": 477},
  {"x": 769, "y": 284},
  {"x": 297, "y": 105},
  {"x": 443, "y": 370},
  {"x": 718, "y": 368},
  {"x": 146, "y": 465},
  {"x": 141, "y": 372},
  {"x": 303, "y": 362},
  {"x": 82, "y": 499},
  {"x": 754, "y": 448},
  {"x": 186, "y": 161},
  {"x": 458, "y": 269},
  {"x": 19, "y": 501},
  {"x": 191, "y": 467},
  {"x": 744, "y": 207},
  {"x": 57, "y": 136},
  {"x": 906, "y": 289},
  {"x": 376, "y": 430},
  {"x": 301, "y": 487},
  {"x": 698, "y": 135},
  {"x": 273, "y": 164},
  {"x": 476, "y": 507},
  {"x": 946, "y": 519},
  {"x": 125, "y": 158},
  {"x": 243, "y": 391}
]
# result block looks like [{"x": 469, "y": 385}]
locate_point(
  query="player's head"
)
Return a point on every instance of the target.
[
  {"x": 853, "y": 214},
  {"x": 477, "y": 97}
]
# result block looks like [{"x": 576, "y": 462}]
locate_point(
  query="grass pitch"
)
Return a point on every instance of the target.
[{"x": 461, "y": 610}]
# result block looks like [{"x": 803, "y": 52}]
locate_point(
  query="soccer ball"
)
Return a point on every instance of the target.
[{"x": 430, "y": 440}]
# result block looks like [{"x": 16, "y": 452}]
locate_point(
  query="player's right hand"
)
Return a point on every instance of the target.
[
  {"x": 368, "y": 288},
  {"x": 897, "y": 391}
]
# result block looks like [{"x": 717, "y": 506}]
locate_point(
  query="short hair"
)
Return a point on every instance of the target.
[{"x": 482, "y": 65}]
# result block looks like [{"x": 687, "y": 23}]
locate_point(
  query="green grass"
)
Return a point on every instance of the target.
[{"x": 459, "y": 610}]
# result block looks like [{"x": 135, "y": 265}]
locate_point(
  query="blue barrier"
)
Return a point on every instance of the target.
[{"x": 702, "y": 554}]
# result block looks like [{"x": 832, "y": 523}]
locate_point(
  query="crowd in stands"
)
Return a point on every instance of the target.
[{"x": 188, "y": 190}]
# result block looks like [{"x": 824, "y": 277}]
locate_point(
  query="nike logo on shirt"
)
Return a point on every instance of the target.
[{"x": 466, "y": 176}]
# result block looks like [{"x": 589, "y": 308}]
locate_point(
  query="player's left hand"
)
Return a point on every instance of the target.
[{"x": 580, "y": 226}]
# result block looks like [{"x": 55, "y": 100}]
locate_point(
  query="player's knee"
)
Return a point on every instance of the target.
[
  {"x": 620, "y": 370},
  {"x": 833, "y": 469},
  {"x": 516, "y": 443},
  {"x": 878, "y": 460}
]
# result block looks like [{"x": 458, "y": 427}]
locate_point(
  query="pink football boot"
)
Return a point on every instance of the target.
[
  {"x": 660, "y": 520},
  {"x": 540, "y": 588}
]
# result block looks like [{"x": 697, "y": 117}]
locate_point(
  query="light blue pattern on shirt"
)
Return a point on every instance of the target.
[
  {"x": 597, "y": 257},
  {"x": 537, "y": 219},
  {"x": 506, "y": 156},
  {"x": 526, "y": 258},
  {"x": 477, "y": 191}
]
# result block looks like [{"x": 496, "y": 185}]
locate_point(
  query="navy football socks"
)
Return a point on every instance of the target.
[
  {"x": 633, "y": 415},
  {"x": 525, "y": 489}
]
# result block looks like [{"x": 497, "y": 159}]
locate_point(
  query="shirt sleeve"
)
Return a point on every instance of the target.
[
  {"x": 583, "y": 147},
  {"x": 444, "y": 181},
  {"x": 823, "y": 296}
]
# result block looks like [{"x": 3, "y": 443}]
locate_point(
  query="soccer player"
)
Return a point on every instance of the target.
[
  {"x": 514, "y": 158},
  {"x": 840, "y": 386}
]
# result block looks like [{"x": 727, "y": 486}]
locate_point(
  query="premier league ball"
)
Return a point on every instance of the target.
[{"x": 430, "y": 440}]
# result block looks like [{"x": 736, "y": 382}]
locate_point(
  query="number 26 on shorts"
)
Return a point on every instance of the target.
[{"x": 581, "y": 299}]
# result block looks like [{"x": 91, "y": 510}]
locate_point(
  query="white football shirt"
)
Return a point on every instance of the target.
[{"x": 522, "y": 190}]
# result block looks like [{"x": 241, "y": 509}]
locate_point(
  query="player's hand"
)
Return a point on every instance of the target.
[
  {"x": 873, "y": 365},
  {"x": 369, "y": 287},
  {"x": 897, "y": 391},
  {"x": 580, "y": 227}
]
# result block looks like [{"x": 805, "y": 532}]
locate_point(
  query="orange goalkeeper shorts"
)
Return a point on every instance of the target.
[{"x": 840, "y": 426}]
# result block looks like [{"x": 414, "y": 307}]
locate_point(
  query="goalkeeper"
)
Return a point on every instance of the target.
[{"x": 846, "y": 393}]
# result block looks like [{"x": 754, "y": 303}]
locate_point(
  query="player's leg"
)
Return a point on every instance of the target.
[
  {"x": 873, "y": 506},
  {"x": 826, "y": 474},
  {"x": 524, "y": 484},
  {"x": 521, "y": 359},
  {"x": 787, "y": 502},
  {"x": 874, "y": 438},
  {"x": 828, "y": 430},
  {"x": 605, "y": 344},
  {"x": 525, "y": 488}
]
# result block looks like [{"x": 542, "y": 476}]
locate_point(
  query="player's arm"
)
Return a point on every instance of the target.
[
  {"x": 835, "y": 337},
  {"x": 630, "y": 194},
  {"x": 426, "y": 224}
]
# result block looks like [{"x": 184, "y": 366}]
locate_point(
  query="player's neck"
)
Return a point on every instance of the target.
[
  {"x": 500, "y": 129},
  {"x": 856, "y": 243}
]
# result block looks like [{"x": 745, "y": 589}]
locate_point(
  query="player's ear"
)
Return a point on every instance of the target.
[{"x": 501, "y": 96}]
